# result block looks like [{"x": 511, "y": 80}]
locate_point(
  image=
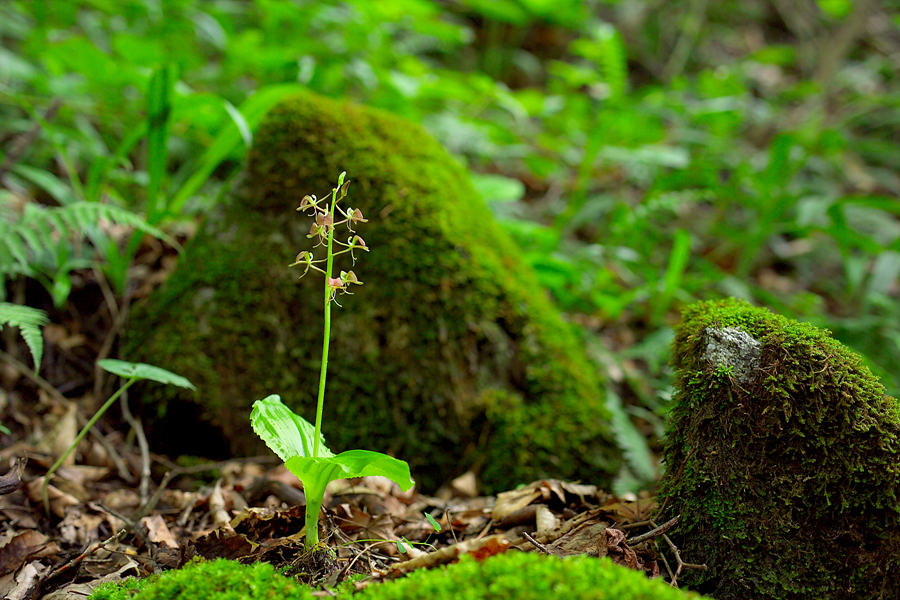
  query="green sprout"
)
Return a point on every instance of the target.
[
  {"x": 131, "y": 373},
  {"x": 298, "y": 443}
]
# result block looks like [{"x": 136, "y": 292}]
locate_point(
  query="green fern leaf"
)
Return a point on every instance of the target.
[
  {"x": 29, "y": 321},
  {"x": 634, "y": 446},
  {"x": 29, "y": 236}
]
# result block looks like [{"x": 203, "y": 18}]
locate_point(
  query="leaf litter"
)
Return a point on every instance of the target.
[
  {"x": 100, "y": 530},
  {"x": 116, "y": 512}
]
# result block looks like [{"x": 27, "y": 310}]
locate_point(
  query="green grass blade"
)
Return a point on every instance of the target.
[
  {"x": 253, "y": 110},
  {"x": 159, "y": 108}
]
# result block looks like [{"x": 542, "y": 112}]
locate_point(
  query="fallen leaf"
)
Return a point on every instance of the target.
[
  {"x": 21, "y": 547},
  {"x": 158, "y": 532}
]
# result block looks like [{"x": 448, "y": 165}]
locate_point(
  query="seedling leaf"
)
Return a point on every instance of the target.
[{"x": 130, "y": 370}]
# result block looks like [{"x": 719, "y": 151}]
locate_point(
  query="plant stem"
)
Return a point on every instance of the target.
[
  {"x": 315, "y": 493},
  {"x": 321, "y": 401},
  {"x": 78, "y": 439}
]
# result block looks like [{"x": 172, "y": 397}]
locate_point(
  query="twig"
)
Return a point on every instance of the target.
[
  {"x": 681, "y": 563},
  {"x": 57, "y": 572},
  {"x": 40, "y": 381},
  {"x": 138, "y": 429},
  {"x": 538, "y": 545},
  {"x": 13, "y": 480},
  {"x": 654, "y": 532},
  {"x": 122, "y": 469}
]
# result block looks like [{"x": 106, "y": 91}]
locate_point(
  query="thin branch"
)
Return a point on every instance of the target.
[{"x": 654, "y": 532}]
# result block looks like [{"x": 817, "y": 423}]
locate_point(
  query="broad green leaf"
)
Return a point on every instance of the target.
[
  {"x": 497, "y": 188},
  {"x": 130, "y": 370},
  {"x": 284, "y": 432},
  {"x": 353, "y": 463}
]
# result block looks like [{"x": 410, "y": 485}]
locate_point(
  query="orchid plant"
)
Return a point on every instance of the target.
[{"x": 297, "y": 442}]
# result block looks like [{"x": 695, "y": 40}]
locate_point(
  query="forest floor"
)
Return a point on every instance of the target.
[
  {"x": 104, "y": 525},
  {"x": 117, "y": 509}
]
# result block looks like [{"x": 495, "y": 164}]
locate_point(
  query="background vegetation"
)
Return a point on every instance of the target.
[{"x": 644, "y": 153}]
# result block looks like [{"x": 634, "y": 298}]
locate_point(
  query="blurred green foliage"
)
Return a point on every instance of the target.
[{"x": 643, "y": 153}]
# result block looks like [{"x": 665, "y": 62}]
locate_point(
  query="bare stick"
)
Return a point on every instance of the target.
[{"x": 658, "y": 530}]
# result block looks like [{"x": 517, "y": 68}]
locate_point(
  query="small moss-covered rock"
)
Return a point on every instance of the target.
[
  {"x": 450, "y": 356},
  {"x": 519, "y": 575},
  {"x": 783, "y": 460}
]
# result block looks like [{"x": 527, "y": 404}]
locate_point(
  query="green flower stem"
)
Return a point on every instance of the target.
[
  {"x": 321, "y": 401},
  {"x": 78, "y": 439}
]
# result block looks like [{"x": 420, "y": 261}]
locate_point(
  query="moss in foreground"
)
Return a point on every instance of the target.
[
  {"x": 514, "y": 575},
  {"x": 526, "y": 576},
  {"x": 450, "y": 356},
  {"x": 209, "y": 580},
  {"x": 783, "y": 460}
]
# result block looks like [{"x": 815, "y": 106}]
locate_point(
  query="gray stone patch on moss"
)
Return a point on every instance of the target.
[
  {"x": 732, "y": 347},
  {"x": 786, "y": 474},
  {"x": 451, "y": 356}
]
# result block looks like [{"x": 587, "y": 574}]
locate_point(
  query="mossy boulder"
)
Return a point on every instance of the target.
[
  {"x": 783, "y": 460},
  {"x": 450, "y": 355},
  {"x": 519, "y": 575}
]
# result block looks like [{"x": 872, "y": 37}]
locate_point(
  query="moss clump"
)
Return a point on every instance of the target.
[
  {"x": 526, "y": 576},
  {"x": 449, "y": 356},
  {"x": 518, "y": 575},
  {"x": 783, "y": 459},
  {"x": 209, "y": 580}
]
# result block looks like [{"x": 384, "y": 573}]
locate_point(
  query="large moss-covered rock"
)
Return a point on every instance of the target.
[
  {"x": 783, "y": 460},
  {"x": 449, "y": 356}
]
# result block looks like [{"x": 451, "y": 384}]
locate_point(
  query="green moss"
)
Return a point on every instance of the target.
[
  {"x": 449, "y": 319},
  {"x": 526, "y": 576},
  {"x": 786, "y": 478},
  {"x": 209, "y": 580},
  {"x": 511, "y": 575}
]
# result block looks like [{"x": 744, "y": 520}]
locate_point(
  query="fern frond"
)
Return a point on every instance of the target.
[
  {"x": 613, "y": 61},
  {"x": 29, "y": 321},
  {"x": 39, "y": 229},
  {"x": 634, "y": 446}
]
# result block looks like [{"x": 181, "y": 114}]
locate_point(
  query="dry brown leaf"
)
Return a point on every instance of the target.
[
  {"x": 63, "y": 428},
  {"x": 480, "y": 548},
  {"x": 613, "y": 545},
  {"x": 217, "y": 508},
  {"x": 20, "y": 585},
  {"x": 20, "y": 547},
  {"x": 509, "y": 502},
  {"x": 122, "y": 500},
  {"x": 82, "y": 474},
  {"x": 466, "y": 485},
  {"x": 59, "y": 501},
  {"x": 545, "y": 520},
  {"x": 158, "y": 532},
  {"x": 58, "y": 335},
  {"x": 79, "y": 528},
  {"x": 641, "y": 509}
]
